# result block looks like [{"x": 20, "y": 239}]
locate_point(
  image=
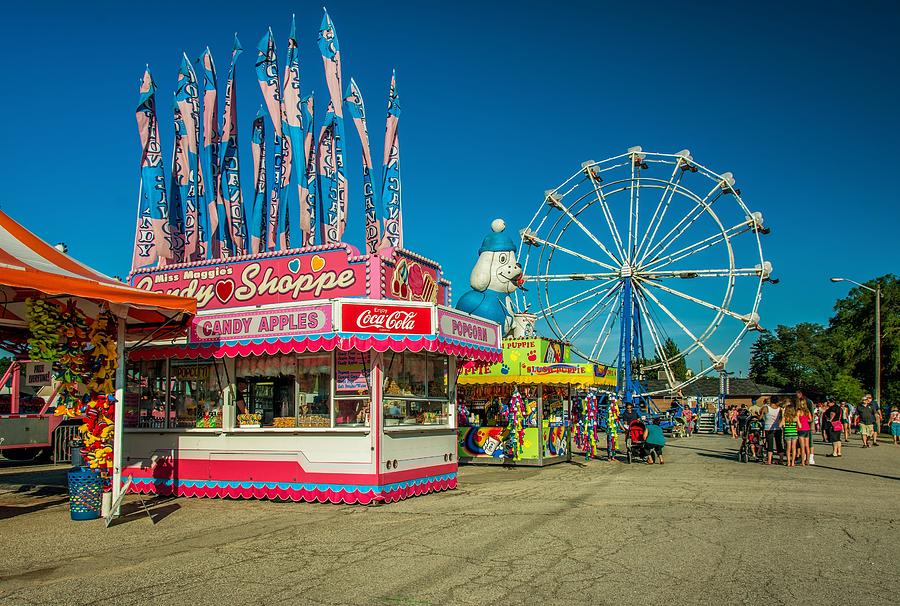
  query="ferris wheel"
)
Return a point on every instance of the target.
[{"x": 646, "y": 249}]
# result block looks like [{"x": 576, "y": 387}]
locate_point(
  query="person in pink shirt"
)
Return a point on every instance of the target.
[{"x": 804, "y": 431}]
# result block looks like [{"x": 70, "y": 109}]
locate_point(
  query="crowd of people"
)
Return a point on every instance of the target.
[{"x": 785, "y": 426}]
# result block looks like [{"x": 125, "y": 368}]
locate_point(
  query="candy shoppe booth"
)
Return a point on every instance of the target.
[
  {"x": 518, "y": 411},
  {"x": 312, "y": 374}
]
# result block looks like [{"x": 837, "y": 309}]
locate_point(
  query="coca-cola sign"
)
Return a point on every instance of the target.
[{"x": 386, "y": 319}]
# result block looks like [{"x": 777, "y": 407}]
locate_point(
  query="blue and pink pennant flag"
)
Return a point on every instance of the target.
[
  {"x": 230, "y": 187},
  {"x": 267, "y": 74},
  {"x": 219, "y": 238},
  {"x": 308, "y": 185},
  {"x": 196, "y": 228},
  {"x": 294, "y": 163},
  {"x": 258, "y": 216},
  {"x": 328, "y": 178},
  {"x": 152, "y": 240},
  {"x": 357, "y": 110},
  {"x": 391, "y": 211},
  {"x": 179, "y": 189},
  {"x": 336, "y": 201}
]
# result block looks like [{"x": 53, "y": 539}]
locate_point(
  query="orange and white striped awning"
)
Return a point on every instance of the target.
[{"x": 29, "y": 267}]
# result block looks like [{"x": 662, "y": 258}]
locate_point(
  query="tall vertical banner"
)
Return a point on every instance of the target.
[
  {"x": 178, "y": 191},
  {"x": 230, "y": 186},
  {"x": 258, "y": 216},
  {"x": 328, "y": 179},
  {"x": 294, "y": 165},
  {"x": 391, "y": 211},
  {"x": 336, "y": 201},
  {"x": 215, "y": 208},
  {"x": 267, "y": 74},
  {"x": 151, "y": 233},
  {"x": 308, "y": 187},
  {"x": 357, "y": 110},
  {"x": 195, "y": 225}
]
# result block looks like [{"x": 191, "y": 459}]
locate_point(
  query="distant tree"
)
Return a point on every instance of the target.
[
  {"x": 679, "y": 366},
  {"x": 853, "y": 331},
  {"x": 846, "y": 388},
  {"x": 794, "y": 357}
]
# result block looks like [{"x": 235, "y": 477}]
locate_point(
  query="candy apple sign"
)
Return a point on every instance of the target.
[
  {"x": 261, "y": 281},
  {"x": 386, "y": 319}
]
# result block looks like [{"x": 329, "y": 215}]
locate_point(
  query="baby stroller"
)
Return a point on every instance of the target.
[
  {"x": 634, "y": 442},
  {"x": 752, "y": 441},
  {"x": 679, "y": 430}
]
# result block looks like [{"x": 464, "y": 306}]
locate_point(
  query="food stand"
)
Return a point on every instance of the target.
[
  {"x": 546, "y": 379},
  {"x": 313, "y": 374}
]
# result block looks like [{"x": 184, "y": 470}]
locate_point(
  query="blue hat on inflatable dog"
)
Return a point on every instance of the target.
[{"x": 497, "y": 241}]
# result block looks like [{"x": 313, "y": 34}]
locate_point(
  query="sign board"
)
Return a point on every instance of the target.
[
  {"x": 288, "y": 278},
  {"x": 386, "y": 318},
  {"x": 464, "y": 328},
  {"x": 38, "y": 374},
  {"x": 350, "y": 371},
  {"x": 260, "y": 323},
  {"x": 191, "y": 372}
]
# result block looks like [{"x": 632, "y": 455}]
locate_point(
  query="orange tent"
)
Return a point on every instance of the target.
[{"x": 29, "y": 267}]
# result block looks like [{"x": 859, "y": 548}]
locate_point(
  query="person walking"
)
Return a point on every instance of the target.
[
  {"x": 789, "y": 429},
  {"x": 834, "y": 428},
  {"x": 895, "y": 425},
  {"x": 804, "y": 433},
  {"x": 865, "y": 412},
  {"x": 771, "y": 414}
]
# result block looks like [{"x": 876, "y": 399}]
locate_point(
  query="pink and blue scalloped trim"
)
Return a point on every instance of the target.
[
  {"x": 297, "y": 491},
  {"x": 323, "y": 342}
]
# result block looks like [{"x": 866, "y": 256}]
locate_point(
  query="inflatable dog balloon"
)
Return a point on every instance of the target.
[{"x": 495, "y": 276}]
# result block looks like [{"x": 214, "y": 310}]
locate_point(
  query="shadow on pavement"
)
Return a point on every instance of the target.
[
  {"x": 158, "y": 508},
  {"x": 862, "y": 473},
  {"x": 7, "y": 512}
]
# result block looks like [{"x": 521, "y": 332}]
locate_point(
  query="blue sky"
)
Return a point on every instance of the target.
[{"x": 500, "y": 102}]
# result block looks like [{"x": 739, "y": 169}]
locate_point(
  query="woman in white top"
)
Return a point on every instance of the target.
[{"x": 771, "y": 415}]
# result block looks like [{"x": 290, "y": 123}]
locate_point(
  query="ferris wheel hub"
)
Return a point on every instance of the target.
[{"x": 627, "y": 271}]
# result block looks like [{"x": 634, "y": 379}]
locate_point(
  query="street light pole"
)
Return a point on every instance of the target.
[{"x": 877, "y": 291}]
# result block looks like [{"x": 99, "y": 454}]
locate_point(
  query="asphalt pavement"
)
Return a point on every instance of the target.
[{"x": 702, "y": 529}]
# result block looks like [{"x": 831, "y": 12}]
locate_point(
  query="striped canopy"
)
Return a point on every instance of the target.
[{"x": 29, "y": 267}]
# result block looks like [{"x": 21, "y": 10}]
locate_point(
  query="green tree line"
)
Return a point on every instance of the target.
[{"x": 839, "y": 359}]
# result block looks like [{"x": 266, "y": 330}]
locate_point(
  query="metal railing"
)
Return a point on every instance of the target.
[{"x": 62, "y": 437}]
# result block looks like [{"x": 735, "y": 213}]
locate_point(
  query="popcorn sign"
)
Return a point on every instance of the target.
[{"x": 467, "y": 329}]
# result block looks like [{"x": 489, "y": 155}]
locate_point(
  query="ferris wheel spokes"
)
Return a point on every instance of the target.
[
  {"x": 699, "y": 246},
  {"x": 657, "y": 340},
  {"x": 575, "y": 276},
  {"x": 724, "y": 310},
  {"x": 607, "y": 328},
  {"x": 604, "y": 207},
  {"x": 695, "y": 341},
  {"x": 606, "y": 300},
  {"x": 556, "y": 202},
  {"x": 532, "y": 239},
  {"x": 571, "y": 301},
  {"x": 702, "y": 273},
  {"x": 671, "y": 186},
  {"x": 704, "y": 204}
]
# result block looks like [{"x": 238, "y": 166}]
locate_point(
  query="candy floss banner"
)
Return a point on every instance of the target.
[
  {"x": 282, "y": 279},
  {"x": 261, "y": 323}
]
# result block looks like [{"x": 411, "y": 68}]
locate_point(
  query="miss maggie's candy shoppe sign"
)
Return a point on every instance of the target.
[{"x": 261, "y": 280}]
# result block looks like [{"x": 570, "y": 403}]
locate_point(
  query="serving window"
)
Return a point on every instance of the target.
[
  {"x": 416, "y": 388},
  {"x": 175, "y": 394}
]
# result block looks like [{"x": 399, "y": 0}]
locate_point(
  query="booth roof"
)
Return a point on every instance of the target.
[{"x": 31, "y": 268}]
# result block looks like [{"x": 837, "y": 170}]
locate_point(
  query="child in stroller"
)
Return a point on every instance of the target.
[
  {"x": 752, "y": 442},
  {"x": 634, "y": 442}
]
